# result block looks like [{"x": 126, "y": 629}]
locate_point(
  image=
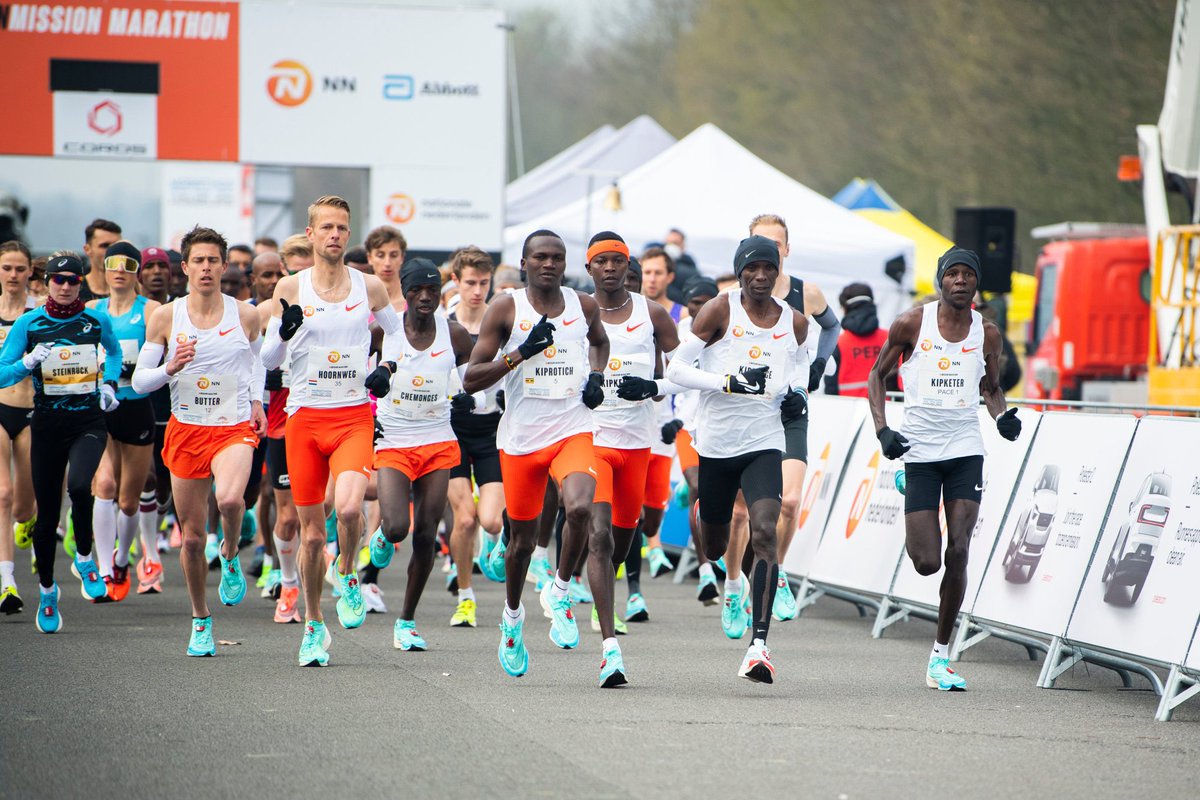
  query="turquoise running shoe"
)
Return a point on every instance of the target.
[
  {"x": 496, "y": 561},
  {"x": 941, "y": 676},
  {"x": 563, "y": 630},
  {"x": 91, "y": 585},
  {"x": 514, "y": 658},
  {"x": 901, "y": 482},
  {"x": 314, "y": 647},
  {"x": 707, "y": 592},
  {"x": 351, "y": 610},
  {"x": 405, "y": 636},
  {"x": 232, "y": 587},
  {"x": 484, "y": 560},
  {"x": 381, "y": 550},
  {"x": 249, "y": 529},
  {"x": 635, "y": 609},
  {"x": 734, "y": 619},
  {"x": 48, "y": 619},
  {"x": 201, "y": 643},
  {"x": 720, "y": 564},
  {"x": 612, "y": 669},
  {"x": 540, "y": 572},
  {"x": 659, "y": 563},
  {"x": 578, "y": 592},
  {"x": 784, "y": 608}
]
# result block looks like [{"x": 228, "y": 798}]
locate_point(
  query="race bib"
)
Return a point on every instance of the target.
[
  {"x": 556, "y": 373},
  {"x": 946, "y": 383},
  {"x": 637, "y": 366},
  {"x": 207, "y": 399},
  {"x": 70, "y": 370},
  {"x": 337, "y": 373},
  {"x": 418, "y": 397},
  {"x": 129, "y": 357}
]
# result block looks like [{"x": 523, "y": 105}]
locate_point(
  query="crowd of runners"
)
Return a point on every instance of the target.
[{"x": 319, "y": 410}]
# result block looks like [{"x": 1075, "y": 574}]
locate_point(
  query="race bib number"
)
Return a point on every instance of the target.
[
  {"x": 637, "y": 366},
  {"x": 554, "y": 374},
  {"x": 129, "y": 357},
  {"x": 70, "y": 370},
  {"x": 418, "y": 397},
  {"x": 206, "y": 399},
  {"x": 337, "y": 373},
  {"x": 946, "y": 383}
]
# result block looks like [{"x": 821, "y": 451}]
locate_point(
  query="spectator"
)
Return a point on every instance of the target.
[
  {"x": 685, "y": 265},
  {"x": 859, "y": 343}
]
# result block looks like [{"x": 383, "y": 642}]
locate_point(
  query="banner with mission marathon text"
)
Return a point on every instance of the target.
[
  {"x": 1001, "y": 468},
  {"x": 1142, "y": 592},
  {"x": 1055, "y": 518}
]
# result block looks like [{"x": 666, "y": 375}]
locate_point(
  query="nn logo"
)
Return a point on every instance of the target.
[
  {"x": 291, "y": 84},
  {"x": 105, "y": 118}
]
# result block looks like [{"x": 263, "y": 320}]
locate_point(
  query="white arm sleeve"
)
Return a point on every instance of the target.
[
  {"x": 680, "y": 371},
  {"x": 462, "y": 372},
  {"x": 798, "y": 370},
  {"x": 275, "y": 348},
  {"x": 388, "y": 319},
  {"x": 258, "y": 373},
  {"x": 149, "y": 373},
  {"x": 666, "y": 387}
]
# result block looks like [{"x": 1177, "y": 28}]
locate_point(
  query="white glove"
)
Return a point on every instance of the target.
[
  {"x": 108, "y": 398},
  {"x": 37, "y": 355}
]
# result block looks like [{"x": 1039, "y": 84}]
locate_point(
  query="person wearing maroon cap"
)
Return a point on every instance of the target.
[{"x": 155, "y": 275}]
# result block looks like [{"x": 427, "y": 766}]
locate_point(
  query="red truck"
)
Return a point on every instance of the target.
[{"x": 1091, "y": 318}]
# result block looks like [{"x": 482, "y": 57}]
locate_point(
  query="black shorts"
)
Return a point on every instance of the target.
[
  {"x": 795, "y": 434},
  {"x": 14, "y": 419},
  {"x": 476, "y": 434},
  {"x": 132, "y": 422},
  {"x": 256, "y": 465},
  {"x": 927, "y": 483},
  {"x": 277, "y": 470},
  {"x": 759, "y": 475}
]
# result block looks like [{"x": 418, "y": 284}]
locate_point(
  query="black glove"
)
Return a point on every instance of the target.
[
  {"x": 794, "y": 406},
  {"x": 540, "y": 337},
  {"x": 816, "y": 371},
  {"x": 378, "y": 432},
  {"x": 500, "y": 400},
  {"x": 1008, "y": 425},
  {"x": 670, "y": 430},
  {"x": 274, "y": 382},
  {"x": 379, "y": 382},
  {"x": 462, "y": 402},
  {"x": 893, "y": 444},
  {"x": 290, "y": 320},
  {"x": 634, "y": 388},
  {"x": 748, "y": 381},
  {"x": 593, "y": 390}
]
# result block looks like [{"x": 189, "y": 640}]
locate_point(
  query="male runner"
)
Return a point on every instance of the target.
[
  {"x": 297, "y": 254},
  {"x": 386, "y": 248},
  {"x": 321, "y": 324},
  {"x": 97, "y": 237},
  {"x": 155, "y": 279},
  {"x": 750, "y": 350},
  {"x": 67, "y": 431},
  {"x": 126, "y": 464},
  {"x": 417, "y": 448},
  {"x": 951, "y": 356},
  {"x": 16, "y": 409},
  {"x": 211, "y": 345},
  {"x": 546, "y": 429},
  {"x": 658, "y": 273}
]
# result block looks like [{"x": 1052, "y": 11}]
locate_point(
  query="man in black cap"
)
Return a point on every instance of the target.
[
  {"x": 951, "y": 358},
  {"x": 752, "y": 366}
]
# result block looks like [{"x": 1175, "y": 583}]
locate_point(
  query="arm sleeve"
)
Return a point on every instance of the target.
[
  {"x": 831, "y": 328},
  {"x": 666, "y": 387},
  {"x": 275, "y": 348},
  {"x": 388, "y": 319},
  {"x": 798, "y": 370},
  {"x": 112, "y": 350},
  {"x": 462, "y": 372},
  {"x": 258, "y": 373},
  {"x": 680, "y": 370},
  {"x": 150, "y": 373},
  {"x": 831, "y": 381},
  {"x": 12, "y": 369}
]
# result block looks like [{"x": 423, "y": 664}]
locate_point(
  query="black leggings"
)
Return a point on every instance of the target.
[{"x": 71, "y": 444}]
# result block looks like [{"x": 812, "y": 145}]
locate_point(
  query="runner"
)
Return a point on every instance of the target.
[
  {"x": 211, "y": 344},
  {"x": 639, "y": 332},
  {"x": 546, "y": 429},
  {"x": 321, "y": 324},
  {"x": 658, "y": 274},
  {"x": 416, "y": 447},
  {"x": 97, "y": 238},
  {"x": 124, "y": 470},
  {"x": 265, "y": 271},
  {"x": 386, "y": 248},
  {"x": 17, "y": 512},
  {"x": 155, "y": 278},
  {"x": 297, "y": 254},
  {"x": 750, "y": 347},
  {"x": 67, "y": 431},
  {"x": 475, "y": 429},
  {"x": 951, "y": 356}
]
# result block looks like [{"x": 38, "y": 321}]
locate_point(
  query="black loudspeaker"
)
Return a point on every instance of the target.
[{"x": 990, "y": 232}]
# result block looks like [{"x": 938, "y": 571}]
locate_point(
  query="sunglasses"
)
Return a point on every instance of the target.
[
  {"x": 66, "y": 278},
  {"x": 121, "y": 263}
]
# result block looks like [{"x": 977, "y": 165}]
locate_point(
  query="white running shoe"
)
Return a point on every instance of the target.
[
  {"x": 757, "y": 666},
  {"x": 373, "y": 599}
]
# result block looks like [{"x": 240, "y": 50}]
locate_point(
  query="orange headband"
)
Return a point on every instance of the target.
[{"x": 607, "y": 246}]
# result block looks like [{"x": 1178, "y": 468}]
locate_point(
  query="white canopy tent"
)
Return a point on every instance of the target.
[
  {"x": 594, "y": 161},
  {"x": 710, "y": 187}
]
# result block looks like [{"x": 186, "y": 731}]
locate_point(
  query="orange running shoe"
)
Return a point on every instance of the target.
[
  {"x": 118, "y": 590},
  {"x": 107, "y": 597},
  {"x": 150, "y": 574},
  {"x": 288, "y": 608}
]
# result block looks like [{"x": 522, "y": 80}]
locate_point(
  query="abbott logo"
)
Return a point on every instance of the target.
[
  {"x": 398, "y": 87},
  {"x": 290, "y": 83},
  {"x": 400, "y": 208},
  {"x": 105, "y": 118}
]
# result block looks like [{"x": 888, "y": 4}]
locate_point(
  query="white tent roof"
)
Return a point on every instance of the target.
[
  {"x": 710, "y": 187},
  {"x": 602, "y": 156}
]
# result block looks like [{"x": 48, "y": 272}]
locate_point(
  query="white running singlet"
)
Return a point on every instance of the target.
[
  {"x": 625, "y": 424},
  {"x": 328, "y": 355},
  {"x": 416, "y": 411},
  {"x": 214, "y": 388}
]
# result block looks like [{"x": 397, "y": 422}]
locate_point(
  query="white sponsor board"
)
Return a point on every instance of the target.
[
  {"x": 437, "y": 209},
  {"x": 1140, "y": 595},
  {"x": 833, "y": 423},
  {"x": 105, "y": 125},
  {"x": 1001, "y": 467},
  {"x": 865, "y": 533},
  {"x": 1033, "y": 577},
  {"x": 218, "y": 196},
  {"x": 1193, "y": 659}
]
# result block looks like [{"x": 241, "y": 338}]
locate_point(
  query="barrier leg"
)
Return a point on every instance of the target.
[
  {"x": 887, "y": 617},
  {"x": 968, "y": 635},
  {"x": 1060, "y": 658},
  {"x": 807, "y": 594},
  {"x": 1175, "y": 693},
  {"x": 687, "y": 563}
]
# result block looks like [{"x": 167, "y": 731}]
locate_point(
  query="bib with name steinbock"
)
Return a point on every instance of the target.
[
  {"x": 328, "y": 354},
  {"x": 416, "y": 411},
  {"x": 625, "y": 424},
  {"x": 941, "y": 392},
  {"x": 71, "y": 369},
  {"x": 214, "y": 388}
]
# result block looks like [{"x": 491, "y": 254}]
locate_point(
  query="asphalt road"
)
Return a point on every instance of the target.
[{"x": 111, "y": 707}]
